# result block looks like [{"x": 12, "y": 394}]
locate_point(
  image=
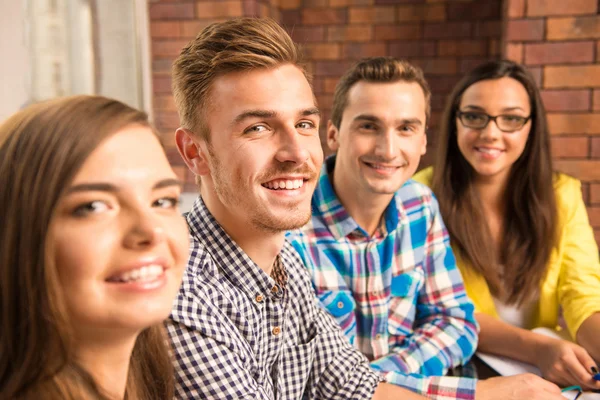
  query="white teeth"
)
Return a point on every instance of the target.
[
  {"x": 488, "y": 151},
  {"x": 143, "y": 274},
  {"x": 284, "y": 185},
  {"x": 382, "y": 167}
]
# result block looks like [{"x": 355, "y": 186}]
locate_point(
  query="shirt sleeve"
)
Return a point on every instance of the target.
[
  {"x": 579, "y": 286},
  {"x": 435, "y": 387},
  {"x": 206, "y": 365},
  {"x": 445, "y": 330}
]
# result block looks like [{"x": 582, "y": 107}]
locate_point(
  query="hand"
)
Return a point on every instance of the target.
[
  {"x": 566, "y": 363},
  {"x": 518, "y": 387}
]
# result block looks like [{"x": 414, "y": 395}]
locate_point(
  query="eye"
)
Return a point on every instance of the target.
[
  {"x": 408, "y": 129},
  {"x": 305, "y": 125},
  {"x": 256, "y": 129},
  {"x": 512, "y": 118},
  {"x": 166, "y": 202},
  {"x": 92, "y": 207},
  {"x": 473, "y": 117},
  {"x": 367, "y": 126}
]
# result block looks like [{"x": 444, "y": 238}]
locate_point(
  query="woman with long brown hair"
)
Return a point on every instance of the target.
[
  {"x": 519, "y": 230},
  {"x": 92, "y": 250}
]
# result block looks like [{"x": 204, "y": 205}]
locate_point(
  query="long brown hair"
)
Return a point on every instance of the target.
[
  {"x": 41, "y": 150},
  {"x": 529, "y": 224}
]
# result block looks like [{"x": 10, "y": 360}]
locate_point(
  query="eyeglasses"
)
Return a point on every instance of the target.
[{"x": 479, "y": 120}]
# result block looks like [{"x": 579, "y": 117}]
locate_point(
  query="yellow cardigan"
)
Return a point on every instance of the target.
[{"x": 573, "y": 280}]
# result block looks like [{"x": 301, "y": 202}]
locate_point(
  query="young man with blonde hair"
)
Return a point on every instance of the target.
[
  {"x": 376, "y": 246},
  {"x": 246, "y": 324}
]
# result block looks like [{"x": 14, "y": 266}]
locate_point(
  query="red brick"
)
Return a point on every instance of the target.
[
  {"x": 412, "y": 48},
  {"x": 325, "y": 101},
  {"x": 594, "y": 216},
  {"x": 164, "y": 103},
  {"x": 585, "y": 193},
  {"x": 594, "y": 193},
  {"x": 162, "y": 66},
  {"x": 323, "y": 51},
  {"x": 462, "y": 47},
  {"x": 219, "y": 9},
  {"x": 574, "y": 123},
  {"x": 559, "y": 53},
  {"x": 586, "y": 170},
  {"x": 573, "y": 28},
  {"x": 515, "y": 8},
  {"x": 474, "y": 10},
  {"x": 595, "y": 147},
  {"x": 488, "y": 29},
  {"x": 346, "y": 3},
  {"x": 291, "y": 17},
  {"x": 398, "y": 32},
  {"x": 360, "y": 50},
  {"x": 437, "y": 66},
  {"x": 350, "y": 33},
  {"x": 378, "y": 14},
  {"x": 190, "y": 29},
  {"x": 315, "y": 3},
  {"x": 442, "y": 84},
  {"x": 494, "y": 48},
  {"x": 331, "y": 68},
  {"x": 171, "y": 11},
  {"x": 566, "y": 100},
  {"x": 541, "y": 8},
  {"x": 468, "y": 63},
  {"x": 290, "y": 4},
  {"x": 321, "y": 16},
  {"x": 514, "y": 52},
  {"x": 165, "y": 30},
  {"x": 308, "y": 34},
  {"x": 597, "y": 236},
  {"x": 596, "y": 100},
  {"x": 165, "y": 48},
  {"x": 570, "y": 147},
  {"x": 329, "y": 85},
  {"x": 166, "y": 120},
  {"x": 422, "y": 12},
  {"x": 447, "y": 30},
  {"x": 572, "y": 76},
  {"x": 537, "y": 73},
  {"x": 525, "y": 30},
  {"x": 161, "y": 84}
]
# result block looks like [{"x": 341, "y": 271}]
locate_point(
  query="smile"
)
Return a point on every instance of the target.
[
  {"x": 489, "y": 152},
  {"x": 147, "y": 273},
  {"x": 284, "y": 184},
  {"x": 386, "y": 169}
]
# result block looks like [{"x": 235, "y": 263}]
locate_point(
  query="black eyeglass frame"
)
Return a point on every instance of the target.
[{"x": 460, "y": 113}]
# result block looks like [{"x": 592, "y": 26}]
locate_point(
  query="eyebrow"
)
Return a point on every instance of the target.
[
  {"x": 503, "y": 110},
  {"x": 109, "y": 187},
  {"x": 271, "y": 114},
  {"x": 372, "y": 118}
]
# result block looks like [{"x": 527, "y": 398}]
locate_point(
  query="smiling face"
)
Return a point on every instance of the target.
[
  {"x": 117, "y": 238},
  {"x": 381, "y": 137},
  {"x": 264, "y": 151},
  {"x": 490, "y": 151}
]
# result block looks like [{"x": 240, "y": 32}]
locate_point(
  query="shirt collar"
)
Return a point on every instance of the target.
[
  {"x": 326, "y": 204},
  {"x": 230, "y": 259}
]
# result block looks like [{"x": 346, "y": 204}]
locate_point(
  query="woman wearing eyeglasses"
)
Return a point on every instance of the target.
[{"x": 519, "y": 230}]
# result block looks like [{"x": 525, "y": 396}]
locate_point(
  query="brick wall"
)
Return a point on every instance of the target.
[{"x": 559, "y": 41}]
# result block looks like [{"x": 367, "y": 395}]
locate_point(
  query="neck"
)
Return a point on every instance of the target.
[
  {"x": 107, "y": 360},
  {"x": 261, "y": 246},
  {"x": 365, "y": 208},
  {"x": 491, "y": 192}
]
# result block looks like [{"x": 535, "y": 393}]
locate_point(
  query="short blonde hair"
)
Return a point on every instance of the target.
[
  {"x": 378, "y": 70},
  {"x": 236, "y": 45}
]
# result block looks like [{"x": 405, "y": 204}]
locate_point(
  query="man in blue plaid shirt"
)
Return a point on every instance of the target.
[
  {"x": 376, "y": 246},
  {"x": 246, "y": 323}
]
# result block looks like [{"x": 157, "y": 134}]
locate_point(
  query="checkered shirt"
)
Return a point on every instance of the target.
[
  {"x": 238, "y": 333},
  {"x": 397, "y": 294}
]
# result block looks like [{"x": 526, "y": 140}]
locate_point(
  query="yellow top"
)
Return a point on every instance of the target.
[{"x": 573, "y": 279}]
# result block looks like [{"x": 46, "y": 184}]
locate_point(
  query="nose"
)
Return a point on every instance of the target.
[
  {"x": 143, "y": 230},
  {"x": 292, "y": 147},
  {"x": 491, "y": 132},
  {"x": 386, "y": 146}
]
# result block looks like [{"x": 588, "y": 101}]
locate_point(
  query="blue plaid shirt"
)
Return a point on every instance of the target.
[{"x": 397, "y": 294}]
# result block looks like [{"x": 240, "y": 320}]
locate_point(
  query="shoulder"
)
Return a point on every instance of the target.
[
  {"x": 568, "y": 192},
  {"x": 415, "y": 197},
  {"x": 424, "y": 176}
]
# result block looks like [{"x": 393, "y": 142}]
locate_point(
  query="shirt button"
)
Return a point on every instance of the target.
[
  {"x": 259, "y": 298},
  {"x": 276, "y": 331},
  {"x": 274, "y": 290},
  {"x": 378, "y": 336},
  {"x": 340, "y": 304}
]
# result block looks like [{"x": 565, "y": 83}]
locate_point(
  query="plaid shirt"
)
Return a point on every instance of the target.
[
  {"x": 237, "y": 333},
  {"x": 397, "y": 294}
]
